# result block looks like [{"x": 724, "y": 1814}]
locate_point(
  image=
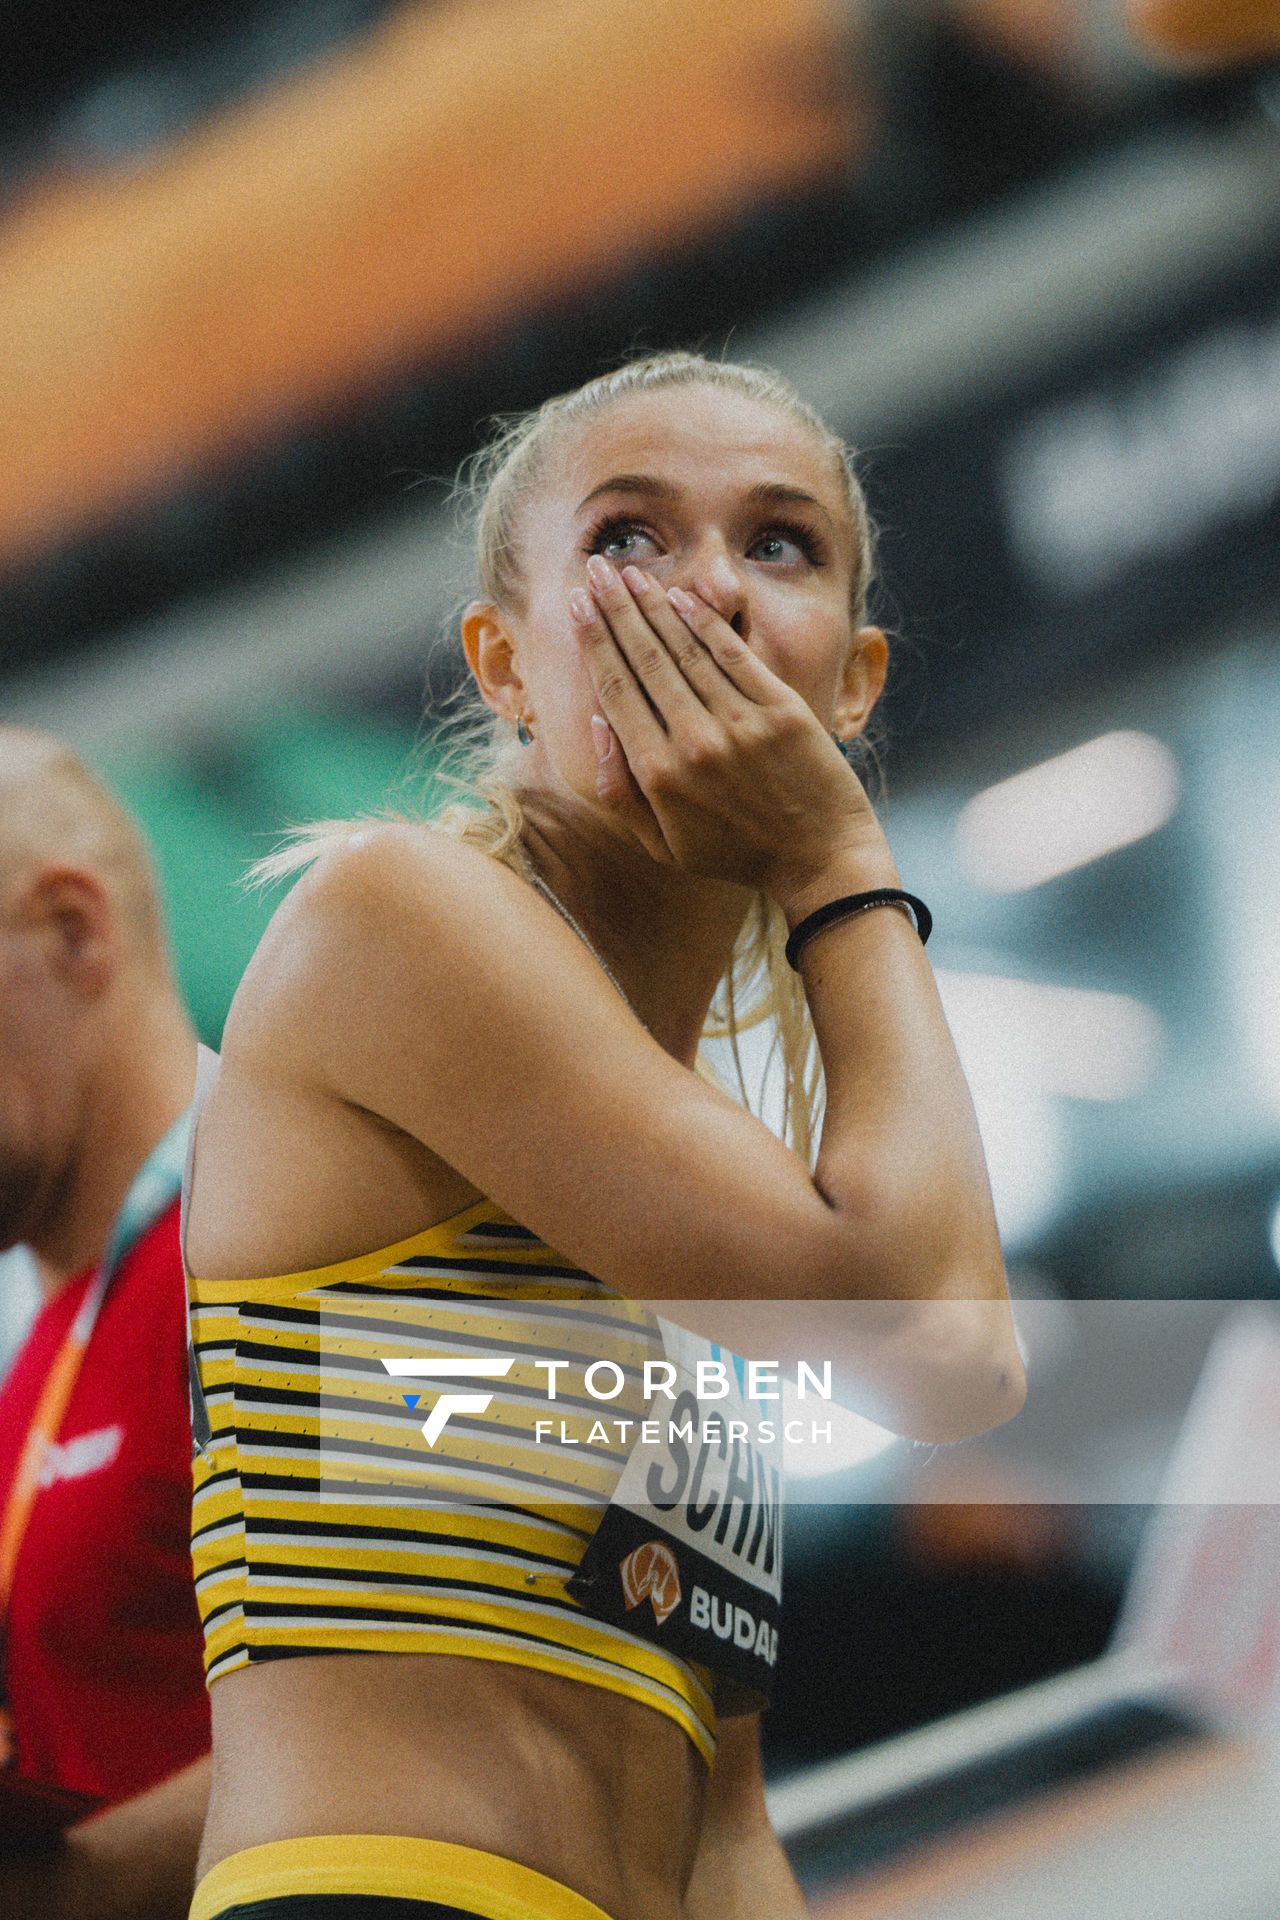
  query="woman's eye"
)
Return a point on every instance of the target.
[
  {"x": 785, "y": 547},
  {"x": 622, "y": 541}
]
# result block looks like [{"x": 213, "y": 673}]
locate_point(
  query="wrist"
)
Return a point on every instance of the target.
[{"x": 859, "y": 870}]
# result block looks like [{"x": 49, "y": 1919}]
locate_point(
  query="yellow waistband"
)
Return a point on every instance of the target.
[{"x": 483, "y": 1884}]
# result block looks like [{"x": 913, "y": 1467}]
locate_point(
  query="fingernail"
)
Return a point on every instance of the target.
[
  {"x": 635, "y": 579},
  {"x": 602, "y": 735},
  {"x": 580, "y": 607},
  {"x": 598, "y": 570},
  {"x": 682, "y": 602}
]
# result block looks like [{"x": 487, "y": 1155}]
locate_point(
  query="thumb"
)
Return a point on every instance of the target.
[
  {"x": 605, "y": 741},
  {"x": 617, "y": 789},
  {"x": 613, "y": 776}
]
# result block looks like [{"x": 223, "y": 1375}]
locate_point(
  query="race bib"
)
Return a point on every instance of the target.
[{"x": 688, "y": 1553}]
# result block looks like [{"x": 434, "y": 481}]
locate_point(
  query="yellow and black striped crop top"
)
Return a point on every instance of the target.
[{"x": 307, "y": 1536}]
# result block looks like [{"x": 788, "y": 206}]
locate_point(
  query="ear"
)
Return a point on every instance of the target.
[
  {"x": 491, "y": 657},
  {"x": 862, "y": 682},
  {"x": 74, "y": 917}
]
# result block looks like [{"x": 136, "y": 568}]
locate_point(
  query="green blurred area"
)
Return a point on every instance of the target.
[{"x": 208, "y": 817}]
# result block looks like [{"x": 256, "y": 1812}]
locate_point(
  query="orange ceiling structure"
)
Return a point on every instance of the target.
[
  {"x": 460, "y": 164},
  {"x": 1212, "y": 31}
]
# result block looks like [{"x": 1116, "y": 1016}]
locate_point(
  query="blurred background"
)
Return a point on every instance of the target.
[{"x": 267, "y": 267}]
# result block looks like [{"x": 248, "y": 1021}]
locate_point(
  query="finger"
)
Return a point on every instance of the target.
[
  {"x": 617, "y": 691},
  {"x": 728, "y": 649},
  {"x": 618, "y": 790},
  {"x": 647, "y": 655},
  {"x": 693, "y": 659}
]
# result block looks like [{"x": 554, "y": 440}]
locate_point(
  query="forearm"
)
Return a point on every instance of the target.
[
  {"x": 900, "y": 1149},
  {"x": 135, "y": 1862},
  {"x": 922, "y": 1314}
]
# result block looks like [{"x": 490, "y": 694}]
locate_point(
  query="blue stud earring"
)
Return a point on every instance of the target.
[{"x": 523, "y": 734}]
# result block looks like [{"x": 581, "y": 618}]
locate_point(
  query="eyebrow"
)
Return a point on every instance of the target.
[
  {"x": 766, "y": 493},
  {"x": 775, "y": 493},
  {"x": 643, "y": 483}
]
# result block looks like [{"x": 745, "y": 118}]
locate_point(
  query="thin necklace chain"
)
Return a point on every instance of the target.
[{"x": 554, "y": 900}]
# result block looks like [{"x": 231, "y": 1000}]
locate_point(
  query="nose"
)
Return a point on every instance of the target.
[{"x": 715, "y": 578}]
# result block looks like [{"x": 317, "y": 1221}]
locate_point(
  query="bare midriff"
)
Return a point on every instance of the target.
[{"x": 599, "y": 1792}]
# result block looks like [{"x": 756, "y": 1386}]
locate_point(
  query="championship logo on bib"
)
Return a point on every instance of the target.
[
  {"x": 695, "y": 1528},
  {"x": 650, "y": 1573}
]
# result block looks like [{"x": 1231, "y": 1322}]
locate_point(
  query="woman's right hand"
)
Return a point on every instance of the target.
[{"x": 711, "y": 760}]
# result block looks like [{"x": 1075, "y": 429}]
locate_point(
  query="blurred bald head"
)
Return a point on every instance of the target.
[
  {"x": 89, "y": 1016},
  {"x": 55, "y": 813}
]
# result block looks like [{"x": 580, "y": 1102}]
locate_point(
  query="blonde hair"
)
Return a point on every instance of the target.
[{"x": 478, "y": 759}]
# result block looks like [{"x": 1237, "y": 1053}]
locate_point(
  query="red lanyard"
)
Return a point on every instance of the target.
[{"x": 43, "y": 1431}]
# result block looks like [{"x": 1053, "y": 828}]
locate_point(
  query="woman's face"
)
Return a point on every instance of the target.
[{"x": 703, "y": 488}]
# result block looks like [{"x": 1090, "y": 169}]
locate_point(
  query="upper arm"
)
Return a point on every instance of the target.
[{"x": 417, "y": 978}]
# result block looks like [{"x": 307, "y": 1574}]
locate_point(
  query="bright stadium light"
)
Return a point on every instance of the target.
[
  {"x": 1072, "y": 1041},
  {"x": 1067, "y": 811},
  {"x": 1025, "y": 1045}
]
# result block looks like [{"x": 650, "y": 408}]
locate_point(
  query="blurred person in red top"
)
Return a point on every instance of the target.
[{"x": 101, "y": 1687}]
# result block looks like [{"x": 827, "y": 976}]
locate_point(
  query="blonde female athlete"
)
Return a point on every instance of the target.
[{"x": 442, "y": 1066}]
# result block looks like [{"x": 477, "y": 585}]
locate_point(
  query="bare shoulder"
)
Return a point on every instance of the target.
[
  {"x": 387, "y": 877},
  {"x": 391, "y": 865},
  {"x": 389, "y": 889},
  {"x": 357, "y": 991},
  {"x": 418, "y": 993}
]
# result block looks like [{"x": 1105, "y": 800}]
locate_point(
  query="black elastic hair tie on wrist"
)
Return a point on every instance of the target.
[{"x": 847, "y": 906}]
